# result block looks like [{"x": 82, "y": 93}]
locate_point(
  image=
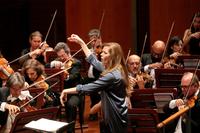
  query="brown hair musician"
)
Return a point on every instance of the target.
[
  {"x": 191, "y": 38},
  {"x": 33, "y": 72}
]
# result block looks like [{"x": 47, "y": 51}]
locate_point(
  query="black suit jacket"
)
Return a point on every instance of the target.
[
  {"x": 4, "y": 93},
  {"x": 195, "y": 117}
]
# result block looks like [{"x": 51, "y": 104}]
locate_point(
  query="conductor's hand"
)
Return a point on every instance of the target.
[
  {"x": 63, "y": 97},
  {"x": 12, "y": 108},
  {"x": 75, "y": 38}
]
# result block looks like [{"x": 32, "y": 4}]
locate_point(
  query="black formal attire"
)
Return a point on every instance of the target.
[
  {"x": 4, "y": 93},
  {"x": 74, "y": 101},
  {"x": 93, "y": 74},
  {"x": 192, "y": 117},
  {"x": 39, "y": 58},
  {"x": 194, "y": 46}
]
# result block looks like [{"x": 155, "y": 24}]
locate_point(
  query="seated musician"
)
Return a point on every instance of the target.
[
  {"x": 191, "y": 36},
  {"x": 190, "y": 94},
  {"x": 174, "y": 49},
  {"x": 73, "y": 77},
  {"x": 37, "y": 49},
  {"x": 138, "y": 79},
  {"x": 152, "y": 61},
  {"x": 34, "y": 73},
  {"x": 10, "y": 98}
]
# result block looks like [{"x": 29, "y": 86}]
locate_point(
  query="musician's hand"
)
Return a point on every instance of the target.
[
  {"x": 63, "y": 97},
  {"x": 132, "y": 81},
  {"x": 175, "y": 55},
  {"x": 167, "y": 65},
  {"x": 12, "y": 108},
  {"x": 179, "y": 102},
  {"x": 56, "y": 64},
  {"x": 196, "y": 35},
  {"x": 128, "y": 101},
  {"x": 36, "y": 52},
  {"x": 156, "y": 65}
]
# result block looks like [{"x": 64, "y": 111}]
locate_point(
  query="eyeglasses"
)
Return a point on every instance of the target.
[{"x": 185, "y": 86}]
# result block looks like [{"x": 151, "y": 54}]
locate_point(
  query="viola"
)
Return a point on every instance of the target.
[{"x": 6, "y": 70}]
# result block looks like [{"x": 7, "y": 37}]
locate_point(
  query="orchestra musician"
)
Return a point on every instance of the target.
[
  {"x": 137, "y": 78},
  {"x": 112, "y": 85},
  {"x": 33, "y": 72},
  {"x": 37, "y": 49},
  {"x": 65, "y": 61},
  {"x": 93, "y": 74},
  {"x": 174, "y": 49},
  {"x": 191, "y": 36},
  {"x": 152, "y": 61},
  {"x": 192, "y": 117},
  {"x": 10, "y": 98}
]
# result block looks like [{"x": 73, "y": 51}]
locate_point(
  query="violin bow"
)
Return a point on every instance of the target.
[
  {"x": 144, "y": 43},
  {"x": 170, "y": 32},
  {"x": 182, "y": 111},
  {"x": 191, "y": 80},
  {"x": 193, "y": 21},
  {"x": 38, "y": 95},
  {"x": 129, "y": 51},
  {"x": 41, "y": 43}
]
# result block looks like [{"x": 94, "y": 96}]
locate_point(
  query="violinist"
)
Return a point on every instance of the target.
[
  {"x": 191, "y": 38},
  {"x": 174, "y": 49},
  {"x": 10, "y": 97},
  {"x": 33, "y": 72},
  {"x": 192, "y": 117},
  {"x": 151, "y": 61},
  {"x": 93, "y": 74},
  {"x": 36, "y": 50},
  {"x": 138, "y": 79},
  {"x": 65, "y": 61}
]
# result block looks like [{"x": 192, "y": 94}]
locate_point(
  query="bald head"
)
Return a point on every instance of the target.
[
  {"x": 133, "y": 57},
  {"x": 158, "y": 47}
]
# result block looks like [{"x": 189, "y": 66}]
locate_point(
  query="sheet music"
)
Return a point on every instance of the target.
[{"x": 46, "y": 125}]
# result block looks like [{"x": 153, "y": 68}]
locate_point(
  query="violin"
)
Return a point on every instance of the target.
[
  {"x": 6, "y": 70},
  {"x": 24, "y": 107},
  {"x": 41, "y": 82},
  {"x": 170, "y": 63}
]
